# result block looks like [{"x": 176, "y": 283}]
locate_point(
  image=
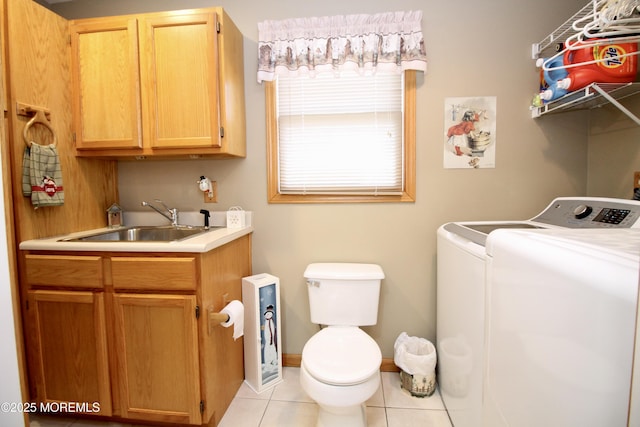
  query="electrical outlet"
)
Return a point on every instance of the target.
[
  {"x": 636, "y": 180},
  {"x": 214, "y": 197}
]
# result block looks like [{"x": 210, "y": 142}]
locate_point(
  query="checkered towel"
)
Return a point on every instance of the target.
[{"x": 42, "y": 176}]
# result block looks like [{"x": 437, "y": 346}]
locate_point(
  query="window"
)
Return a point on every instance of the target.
[{"x": 341, "y": 139}]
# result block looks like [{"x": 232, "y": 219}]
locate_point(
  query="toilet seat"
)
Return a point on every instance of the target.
[{"x": 340, "y": 355}]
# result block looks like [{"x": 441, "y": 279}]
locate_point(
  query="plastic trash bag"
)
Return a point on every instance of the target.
[{"x": 415, "y": 356}]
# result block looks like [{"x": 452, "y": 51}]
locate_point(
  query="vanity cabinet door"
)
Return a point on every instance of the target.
[
  {"x": 106, "y": 83},
  {"x": 69, "y": 350},
  {"x": 157, "y": 350}
]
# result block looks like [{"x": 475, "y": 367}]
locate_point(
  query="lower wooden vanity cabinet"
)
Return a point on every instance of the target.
[
  {"x": 157, "y": 346},
  {"x": 68, "y": 344},
  {"x": 135, "y": 344}
]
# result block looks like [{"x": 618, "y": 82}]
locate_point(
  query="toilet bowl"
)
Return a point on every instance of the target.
[
  {"x": 340, "y": 363},
  {"x": 340, "y": 372}
]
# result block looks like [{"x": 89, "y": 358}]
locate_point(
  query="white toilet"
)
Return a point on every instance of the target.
[{"x": 340, "y": 364}]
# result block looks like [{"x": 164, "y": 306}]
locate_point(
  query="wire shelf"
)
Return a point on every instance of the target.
[
  {"x": 596, "y": 94},
  {"x": 593, "y": 96},
  {"x": 547, "y": 46}
]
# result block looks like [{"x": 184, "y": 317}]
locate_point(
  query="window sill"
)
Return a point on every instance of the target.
[{"x": 315, "y": 198}]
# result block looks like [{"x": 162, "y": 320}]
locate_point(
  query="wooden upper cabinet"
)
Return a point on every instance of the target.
[
  {"x": 160, "y": 84},
  {"x": 106, "y": 84},
  {"x": 178, "y": 56}
]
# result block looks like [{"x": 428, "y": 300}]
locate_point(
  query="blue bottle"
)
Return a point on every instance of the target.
[{"x": 549, "y": 89}]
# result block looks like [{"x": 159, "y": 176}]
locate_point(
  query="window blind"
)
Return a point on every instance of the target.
[{"x": 341, "y": 134}]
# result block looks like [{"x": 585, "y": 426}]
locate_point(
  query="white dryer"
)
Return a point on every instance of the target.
[
  {"x": 463, "y": 303},
  {"x": 561, "y": 327}
]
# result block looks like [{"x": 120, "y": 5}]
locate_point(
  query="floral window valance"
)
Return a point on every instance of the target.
[{"x": 387, "y": 42}]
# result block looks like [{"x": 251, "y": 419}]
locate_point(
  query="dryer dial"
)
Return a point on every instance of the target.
[{"x": 582, "y": 211}]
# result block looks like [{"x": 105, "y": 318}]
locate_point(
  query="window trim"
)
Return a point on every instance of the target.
[{"x": 408, "y": 194}]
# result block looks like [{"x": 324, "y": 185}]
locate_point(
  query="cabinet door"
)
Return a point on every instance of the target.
[
  {"x": 106, "y": 83},
  {"x": 180, "y": 77},
  {"x": 156, "y": 344},
  {"x": 67, "y": 330}
]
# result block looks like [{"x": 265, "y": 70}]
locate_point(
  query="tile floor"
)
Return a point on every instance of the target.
[{"x": 286, "y": 405}]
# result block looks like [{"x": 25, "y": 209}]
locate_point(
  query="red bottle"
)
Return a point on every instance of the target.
[{"x": 613, "y": 68}]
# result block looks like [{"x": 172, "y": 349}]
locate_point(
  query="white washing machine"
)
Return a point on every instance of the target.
[{"x": 463, "y": 304}]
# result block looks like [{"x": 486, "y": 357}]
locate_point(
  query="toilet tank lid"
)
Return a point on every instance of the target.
[{"x": 344, "y": 271}]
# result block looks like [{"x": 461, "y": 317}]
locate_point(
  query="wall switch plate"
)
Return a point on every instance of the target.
[{"x": 214, "y": 197}]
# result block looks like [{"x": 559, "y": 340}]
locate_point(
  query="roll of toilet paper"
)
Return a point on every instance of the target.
[{"x": 235, "y": 311}]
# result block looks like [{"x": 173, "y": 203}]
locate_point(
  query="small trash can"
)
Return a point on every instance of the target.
[{"x": 416, "y": 357}]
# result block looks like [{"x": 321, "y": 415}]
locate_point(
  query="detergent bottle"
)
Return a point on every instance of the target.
[
  {"x": 611, "y": 68},
  {"x": 549, "y": 89}
]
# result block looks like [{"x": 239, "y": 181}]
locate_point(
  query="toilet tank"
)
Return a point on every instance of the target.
[{"x": 344, "y": 294}]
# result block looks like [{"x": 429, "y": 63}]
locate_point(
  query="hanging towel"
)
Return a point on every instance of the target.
[{"x": 42, "y": 176}]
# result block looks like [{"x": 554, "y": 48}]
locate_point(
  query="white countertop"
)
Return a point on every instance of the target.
[{"x": 199, "y": 243}]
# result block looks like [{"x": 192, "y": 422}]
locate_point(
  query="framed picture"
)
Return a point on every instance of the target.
[
  {"x": 262, "y": 343},
  {"x": 470, "y": 132}
]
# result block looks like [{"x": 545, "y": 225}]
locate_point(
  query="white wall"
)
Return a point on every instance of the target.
[
  {"x": 9, "y": 378},
  {"x": 474, "y": 49},
  {"x": 614, "y": 151}
]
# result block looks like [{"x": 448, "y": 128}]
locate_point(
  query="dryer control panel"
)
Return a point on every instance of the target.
[{"x": 591, "y": 212}]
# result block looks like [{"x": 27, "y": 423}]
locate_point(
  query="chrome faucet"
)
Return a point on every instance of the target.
[{"x": 171, "y": 216}]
